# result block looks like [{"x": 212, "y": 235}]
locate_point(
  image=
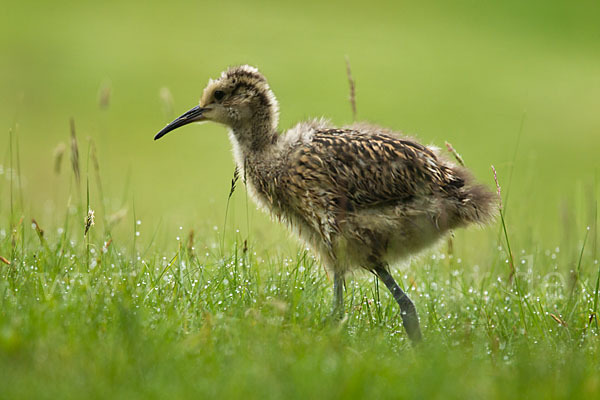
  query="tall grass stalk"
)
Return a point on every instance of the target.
[
  {"x": 594, "y": 313},
  {"x": 19, "y": 178},
  {"x": 135, "y": 235},
  {"x": 88, "y": 221},
  {"x": 580, "y": 258},
  {"x": 594, "y": 254},
  {"x": 11, "y": 183},
  {"x": 352, "y": 87},
  {"x": 513, "y": 276},
  {"x": 247, "y": 209},
  {"x": 577, "y": 279},
  {"x": 96, "y": 165},
  {"x": 76, "y": 168},
  {"x": 234, "y": 180}
]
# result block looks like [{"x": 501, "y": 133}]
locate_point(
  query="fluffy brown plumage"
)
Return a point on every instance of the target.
[{"x": 361, "y": 196}]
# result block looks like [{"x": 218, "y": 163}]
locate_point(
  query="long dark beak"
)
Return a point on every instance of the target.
[{"x": 193, "y": 115}]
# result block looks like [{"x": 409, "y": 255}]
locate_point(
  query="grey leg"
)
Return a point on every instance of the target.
[
  {"x": 338, "y": 296},
  {"x": 410, "y": 320}
]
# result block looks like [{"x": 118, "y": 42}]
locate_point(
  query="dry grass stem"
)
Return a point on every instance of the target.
[
  {"x": 94, "y": 157},
  {"x": 59, "y": 152},
  {"x": 498, "y": 189},
  {"x": 38, "y": 229},
  {"x": 460, "y": 160},
  {"x": 559, "y": 320},
  {"x": 4, "y": 260},
  {"x": 15, "y": 233},
  {"x": 352, "y": 88},
  {"x": 75, "y": 153},
  {"x": 511, "y": 259},
  {"x": 106, "y": 246},
  {"x": 190, "y": 241},
  {"x": 96, "y": 164},
  {"x": 104, "y": 95},
  {"x": 451, "y": 149}
]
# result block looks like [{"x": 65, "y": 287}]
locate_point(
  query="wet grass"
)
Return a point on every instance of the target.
[{"x": 88, "y": 315}]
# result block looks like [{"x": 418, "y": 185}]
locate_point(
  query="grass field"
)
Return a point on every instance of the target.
[{"x": 181, "y": 290}]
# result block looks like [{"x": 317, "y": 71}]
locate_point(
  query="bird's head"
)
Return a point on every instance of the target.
[{"x": 239, "y": 98}]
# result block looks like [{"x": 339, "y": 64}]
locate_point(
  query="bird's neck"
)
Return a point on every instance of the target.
[
  {"x": 251, "y": 142},
  {"x": 254, "y": 137}
]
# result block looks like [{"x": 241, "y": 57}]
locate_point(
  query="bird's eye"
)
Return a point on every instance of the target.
[{"x": 219, "y": 94}]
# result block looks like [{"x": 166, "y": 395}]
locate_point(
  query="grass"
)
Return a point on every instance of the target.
[
  {"x": 201, "y": 323},
  {"x": 87, "y": 315},
  {"x": 182, "y": 289}
]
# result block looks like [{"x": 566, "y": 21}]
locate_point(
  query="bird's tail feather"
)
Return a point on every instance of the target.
[{"x": 479, "y": 204}]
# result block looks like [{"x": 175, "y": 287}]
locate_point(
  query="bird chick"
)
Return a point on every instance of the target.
[{"x": 360, "y": 196}]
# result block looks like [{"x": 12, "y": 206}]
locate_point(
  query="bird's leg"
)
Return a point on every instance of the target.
[
  {"x": 410, "y": 320},
  {"x": 337, "y": 312}
]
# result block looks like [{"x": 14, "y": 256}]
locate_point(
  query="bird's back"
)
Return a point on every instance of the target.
[
  {"x": 370, "y": 167},
  {"x": 366, "y": 184}
]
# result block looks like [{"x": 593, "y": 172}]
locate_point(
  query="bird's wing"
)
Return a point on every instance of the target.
[{"x": 355, "y": 170}]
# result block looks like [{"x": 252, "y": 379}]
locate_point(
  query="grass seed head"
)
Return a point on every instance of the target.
[
  {"x": 451, "y": 149},
  {"x": 352, "y": 85},
  {"x": 89, "y": 221},
  {"x": 236, "y": 177},
  {"x": 498, "y": 189}
]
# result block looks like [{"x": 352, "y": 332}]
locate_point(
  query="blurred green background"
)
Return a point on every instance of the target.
[{"x": 469, "y": 72}]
